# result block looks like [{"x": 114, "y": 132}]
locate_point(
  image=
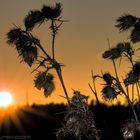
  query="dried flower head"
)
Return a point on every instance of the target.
[
  {"x": 45, "y": 80},
  {"x": 109, "y": 93},
  {"x": 130, "y": 129},
  {"x": 29, "y": 55},
  {"x": 112, "y": 53},
  {"x": 25, "y": 44},
  {"x": 33, "y": 18},
  {"x": 79, "y": 120},
  {"x": 40, "y": 80},
  {"x": 52, "y": 12},
  {"x": 13, "y": 35},
  {"x": 125, "y": 22},
  {"x": 108, "y": 78}
]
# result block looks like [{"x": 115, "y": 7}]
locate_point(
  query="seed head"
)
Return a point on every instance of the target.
[
  {"x": 33, "y": 18},
  {"x": 45, "y": 80},
  {"x": 108, "y": 78},
  {"x": 125, "y": 22},
  {"x": 112, "y": 53},
  {"x": 52, "y": 12},
  {"x": 109, "y": 93}
]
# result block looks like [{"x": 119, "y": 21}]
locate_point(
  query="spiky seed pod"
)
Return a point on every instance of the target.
[
  {"x": 13, "y": 35},
  {"x": 112, "y": 53},
  {"x": 33, "y": 18},
  {"x": 109, "y": 93},
  {"x": 29, "y": 55},
  {"x": 108, "y": 78},
  {"x": 130, "y": 129},
  {"x": 52, "y": 12},
  {"x": 125, "y": 22},
  {"x": 25, "y": 44}
]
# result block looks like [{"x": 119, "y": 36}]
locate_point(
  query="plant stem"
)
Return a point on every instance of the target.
[
  {"x": 42, "y": 49},
  {"x": 94, "y": 87},
  {"x": 138, "y": 91},
  {"x": 132, "y": 92},
  {"x": 121, "y": 88},
  {"x": 132, "y": 106},
  {"x": 59, "y": 72},
  {"x": 53, "y": 38},
  {"x": 95, "y": 93}
]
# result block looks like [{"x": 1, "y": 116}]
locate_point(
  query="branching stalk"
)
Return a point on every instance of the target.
[
  {"x": 58, "y": 70},
  {"x": 121, "y": 88}
]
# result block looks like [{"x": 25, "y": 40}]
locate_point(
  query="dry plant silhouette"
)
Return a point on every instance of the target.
[
  {"x": 79, "y": 119},
  {"x": 129, "y": 86},
  {"x": 28, "y": 46}
]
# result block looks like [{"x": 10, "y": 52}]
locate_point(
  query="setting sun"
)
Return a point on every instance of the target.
[{"x": 5, "y": 98}]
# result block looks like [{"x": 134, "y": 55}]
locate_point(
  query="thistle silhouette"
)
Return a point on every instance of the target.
[
  {"x": 29, "y": 47},
  {"x": 130, "y": 84}
]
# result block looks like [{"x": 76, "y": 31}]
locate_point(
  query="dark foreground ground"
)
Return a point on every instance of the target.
[{"x": 40, "y": 122}]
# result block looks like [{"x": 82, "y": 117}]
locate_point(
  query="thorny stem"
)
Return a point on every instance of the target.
[
  {"x": 59, "y": 72},
  {"x": 57, "y": 67},
  {"x": 53, "y": 38}
]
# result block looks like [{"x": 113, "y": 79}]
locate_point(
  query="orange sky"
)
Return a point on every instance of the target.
[{"x": 79, "y": 44}]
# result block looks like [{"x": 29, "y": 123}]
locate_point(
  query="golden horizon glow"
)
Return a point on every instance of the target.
[
  {"x": 6, "y": 98},
  {"x": 79, "y": 46}
]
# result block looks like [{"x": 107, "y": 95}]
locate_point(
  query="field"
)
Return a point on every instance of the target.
[{"x": 43, "y": 121}]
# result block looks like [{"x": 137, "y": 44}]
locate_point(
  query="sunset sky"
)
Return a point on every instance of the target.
[{"x": 79, "y": 44}]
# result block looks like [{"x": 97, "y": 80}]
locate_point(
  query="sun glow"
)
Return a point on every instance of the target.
[{"x": 5, "y": 98}]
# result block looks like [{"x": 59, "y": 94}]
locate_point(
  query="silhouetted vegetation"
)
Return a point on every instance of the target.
[
  {"x": 43, "y": 121},
  {"x": 116, "y": 122}
]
